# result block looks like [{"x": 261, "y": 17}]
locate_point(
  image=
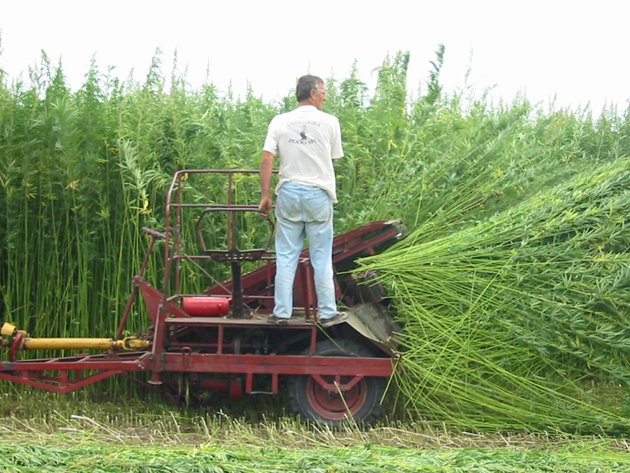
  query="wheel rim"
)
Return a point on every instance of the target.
[{"x": 333, "y": 405}]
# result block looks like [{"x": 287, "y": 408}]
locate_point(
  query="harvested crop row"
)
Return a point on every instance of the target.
[
  {"x": 218, "y": 459},
  {"x": 503, "y": 318}
]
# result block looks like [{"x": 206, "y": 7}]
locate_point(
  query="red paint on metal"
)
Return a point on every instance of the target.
[
  {"x": 206, "y": 306},
  {"x": 331, "y": 404}
]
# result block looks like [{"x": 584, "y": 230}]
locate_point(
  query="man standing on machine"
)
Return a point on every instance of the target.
[{"x": 307, "y": 141}]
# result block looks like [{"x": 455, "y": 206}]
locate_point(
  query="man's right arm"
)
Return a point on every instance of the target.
[{"x": 266, "y": 171}]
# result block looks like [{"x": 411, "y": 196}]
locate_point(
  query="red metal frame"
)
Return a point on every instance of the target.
[
  {"x": 34, "y": 372},
  {"x": 68, "y": 374}
]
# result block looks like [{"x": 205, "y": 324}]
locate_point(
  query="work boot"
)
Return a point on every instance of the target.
[
  {"x": 278, "y": 320},
  {"x": 335, "y": 319}
]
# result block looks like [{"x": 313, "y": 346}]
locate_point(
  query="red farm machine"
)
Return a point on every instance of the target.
[{"x": 218, "y": 337}]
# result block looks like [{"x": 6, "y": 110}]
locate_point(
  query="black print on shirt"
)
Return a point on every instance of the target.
[{"x": 300, "y": 129}]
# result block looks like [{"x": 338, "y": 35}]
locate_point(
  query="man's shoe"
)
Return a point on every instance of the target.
[
  {"x": 335, "y": 319},
  {"x": 278, "y": 320}
]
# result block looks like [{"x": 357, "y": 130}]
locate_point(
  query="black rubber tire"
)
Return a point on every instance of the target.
[{"x": 312, "y": 403}]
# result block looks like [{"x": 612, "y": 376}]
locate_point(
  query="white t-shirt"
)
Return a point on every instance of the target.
[{"x": 306, "y": 140}]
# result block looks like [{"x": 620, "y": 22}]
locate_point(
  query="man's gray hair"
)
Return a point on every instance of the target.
[{"x": 304, "y": 86}]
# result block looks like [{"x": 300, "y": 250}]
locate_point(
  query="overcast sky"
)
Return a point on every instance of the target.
[{"x": 573, "y": 52}]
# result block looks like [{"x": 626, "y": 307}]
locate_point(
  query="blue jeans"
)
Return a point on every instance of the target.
[{"x": 304, "y": 211}]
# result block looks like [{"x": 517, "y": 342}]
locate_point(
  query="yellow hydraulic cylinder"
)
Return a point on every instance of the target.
[
  {"x": 27, "y": 343},
  {"x": 66, "y": 343},
  {"x": 129, "y": 343},
  {"x": 8, "y": 329}
]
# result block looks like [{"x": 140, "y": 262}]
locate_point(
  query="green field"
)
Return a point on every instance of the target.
[
  {"x": 512, "y": 288},
  {"x": 75, "y": 435}
]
